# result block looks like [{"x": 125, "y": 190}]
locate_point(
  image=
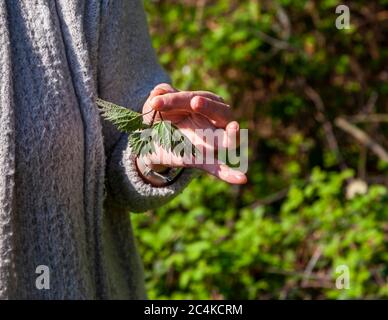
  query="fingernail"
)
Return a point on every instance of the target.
[
  {"x": 163, "y": 86},
  {"x": 238, "y": 175},
  {"x": 234, "y": 126}
]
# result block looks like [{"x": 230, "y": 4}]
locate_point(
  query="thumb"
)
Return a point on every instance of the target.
[{"x": 161, "y": 89}]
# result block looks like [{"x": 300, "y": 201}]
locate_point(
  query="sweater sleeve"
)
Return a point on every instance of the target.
[
  {"x": 129, "y": 190},
  {"x": 128, "y": 70}
]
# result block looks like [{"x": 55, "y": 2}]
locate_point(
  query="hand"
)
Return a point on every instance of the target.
[{"x": 189, "y": 111}]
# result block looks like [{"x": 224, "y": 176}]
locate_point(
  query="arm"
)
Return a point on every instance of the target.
[
  {"x": 128, "y": 66},
  {"x": 128, "y": 71}
]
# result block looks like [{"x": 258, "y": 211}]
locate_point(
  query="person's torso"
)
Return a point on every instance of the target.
[{"x": 50, "y": 151}]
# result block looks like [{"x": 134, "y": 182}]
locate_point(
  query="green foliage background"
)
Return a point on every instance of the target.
[{"x": 284, "y": 234}]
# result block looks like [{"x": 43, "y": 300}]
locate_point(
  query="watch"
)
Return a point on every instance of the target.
[{"x": 155, "y": 178}]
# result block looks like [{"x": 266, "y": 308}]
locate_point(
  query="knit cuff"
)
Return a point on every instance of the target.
[{"x": 128, "y": 189}]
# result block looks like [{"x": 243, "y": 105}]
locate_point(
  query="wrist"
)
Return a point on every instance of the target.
[
  {"x": 156, "y": 175},
  {"x": 146, "y": 162},
  {"x": 159, "y": 168}
]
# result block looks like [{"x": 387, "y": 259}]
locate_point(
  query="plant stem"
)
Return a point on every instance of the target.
[
  {"x": 153, "y": 118},
  {"x": 144, "y": 114}
]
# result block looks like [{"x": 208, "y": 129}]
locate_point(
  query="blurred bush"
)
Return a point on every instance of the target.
[{"x": 289, "y": 74}]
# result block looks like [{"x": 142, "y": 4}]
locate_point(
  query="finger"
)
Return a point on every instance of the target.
[
  {"x": 166, "y": 87},
  {"x": 185, "y": 96},
  {"x": 172, "y": 101},
  {"x": 225, "y": 173},
  {"x": 162, "y": 88},
  {"x": 210, "y": 95},
  {"x": 211, "y": 140},
  {"x": 231, "y": 137},
  {"x": 218, "y": 112}
]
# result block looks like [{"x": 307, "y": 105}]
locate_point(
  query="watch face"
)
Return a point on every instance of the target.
[{"x": 157, "y": 179}]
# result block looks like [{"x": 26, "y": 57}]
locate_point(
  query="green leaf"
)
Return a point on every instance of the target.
[
  {"x": 171, "y": 139},
  {"x": 124, "y": 119},
  {"x": 163, "y": 134},
  {"x": 142, "y": 142}
]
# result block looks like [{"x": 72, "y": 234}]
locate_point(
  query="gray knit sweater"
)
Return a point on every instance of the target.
[{"x": 67, "y": 179}]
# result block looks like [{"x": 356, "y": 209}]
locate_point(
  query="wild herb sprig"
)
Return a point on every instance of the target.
[{"x": 143, "y": 138}]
